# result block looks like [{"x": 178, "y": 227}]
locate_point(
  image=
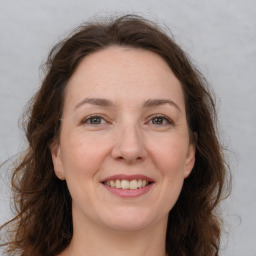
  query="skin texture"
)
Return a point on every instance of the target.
[{"x": 128, "y": 138}]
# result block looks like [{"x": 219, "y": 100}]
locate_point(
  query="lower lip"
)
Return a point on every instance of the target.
[{"x": 129, "y": 192}]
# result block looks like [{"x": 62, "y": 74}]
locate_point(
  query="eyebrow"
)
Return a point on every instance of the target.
[
  {"x": 158, "y": 102},
  {"x": 95, "y": 101},
  {"x": 107, "y": 103}
]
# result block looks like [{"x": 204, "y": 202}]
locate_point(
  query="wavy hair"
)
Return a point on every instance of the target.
[{"x": 42, "y": 225}]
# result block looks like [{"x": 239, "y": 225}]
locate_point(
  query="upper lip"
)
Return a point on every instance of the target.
[{"x": 128, "y": 177}]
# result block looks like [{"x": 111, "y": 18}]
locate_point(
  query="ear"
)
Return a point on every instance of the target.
[
  {"x": 190, "y": 159},
  {"x": 57, "y": 159}
]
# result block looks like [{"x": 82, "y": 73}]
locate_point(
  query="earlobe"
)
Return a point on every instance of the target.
[{"x": 56, "y": 159}]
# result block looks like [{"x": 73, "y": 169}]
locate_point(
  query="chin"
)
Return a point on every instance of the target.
[
  {"x": 129, "y": 220},
  {"x": 123, "y": 226}
]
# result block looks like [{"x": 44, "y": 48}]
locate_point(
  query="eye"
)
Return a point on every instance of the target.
[
  {"x": 160, "y": 120},
  {"x": 94, "y": 120}
]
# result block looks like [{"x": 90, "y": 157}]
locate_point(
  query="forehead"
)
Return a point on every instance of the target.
[{"x": 120, "y": 73}]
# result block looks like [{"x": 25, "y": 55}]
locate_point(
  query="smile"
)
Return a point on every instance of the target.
[{"x": 126, "y": 184}]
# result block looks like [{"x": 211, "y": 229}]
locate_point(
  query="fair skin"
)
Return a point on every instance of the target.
[{"x": 123, "y": 119}]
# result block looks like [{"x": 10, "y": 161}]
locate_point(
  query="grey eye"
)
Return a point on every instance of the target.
[
  {"x": 160, "y": 120},
  {"x": 94, "y": 120}
]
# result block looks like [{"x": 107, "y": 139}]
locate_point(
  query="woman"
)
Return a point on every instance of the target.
[{"x": 123, "y": 157}]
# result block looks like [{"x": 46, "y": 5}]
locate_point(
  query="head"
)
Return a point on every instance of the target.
[{"x": 193, "y": 227}]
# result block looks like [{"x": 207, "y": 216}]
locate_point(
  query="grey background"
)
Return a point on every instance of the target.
[{"x": 219, "y": 35}]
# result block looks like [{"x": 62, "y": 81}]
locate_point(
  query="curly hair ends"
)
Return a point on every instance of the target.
[{"x": 43, "y": 223}]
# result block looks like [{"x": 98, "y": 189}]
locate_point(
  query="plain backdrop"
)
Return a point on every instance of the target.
[{"x": 220, "y": 37}]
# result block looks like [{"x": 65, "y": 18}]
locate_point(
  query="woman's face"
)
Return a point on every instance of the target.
[{"x": 124, "y": 146}]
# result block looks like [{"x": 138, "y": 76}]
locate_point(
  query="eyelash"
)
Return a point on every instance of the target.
[
  {"x": 84, "y": 121},
  {"x": 160, "y": 116},
  {"x": 163, "y": 117}
]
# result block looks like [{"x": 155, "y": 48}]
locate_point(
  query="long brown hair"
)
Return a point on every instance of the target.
[{"x": 43, "y": 223}]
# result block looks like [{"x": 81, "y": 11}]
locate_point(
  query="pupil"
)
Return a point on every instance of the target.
[
  {"x": 95, "y": 120},
  {"x": 158, "y": 120}
]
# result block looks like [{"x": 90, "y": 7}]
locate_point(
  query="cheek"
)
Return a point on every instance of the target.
[
  {"x": 170, "y": 157},
  {"x": 82, "y": 159},
  {"x": 82, "y": 156}
]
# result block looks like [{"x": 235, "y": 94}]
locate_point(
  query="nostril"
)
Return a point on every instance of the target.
[{"x": 123, "y": 158}]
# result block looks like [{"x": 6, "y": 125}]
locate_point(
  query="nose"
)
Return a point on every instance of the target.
[{"x": 129, "y": 144}]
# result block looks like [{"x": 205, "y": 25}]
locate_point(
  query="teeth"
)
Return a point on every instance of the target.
[
  {"x": 125, "y": 184},
  {"x": 112, "y": 183},
  {"x": 139, "y": 183},
  {"x": 118, "y": 184},
  {"x": 133, "y": 184}
]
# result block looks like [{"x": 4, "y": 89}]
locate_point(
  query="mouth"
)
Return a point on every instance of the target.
[{"x": 127, "y": 182}]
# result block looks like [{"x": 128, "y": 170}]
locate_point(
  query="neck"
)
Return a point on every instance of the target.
[{"x": 90, "y": 239}]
